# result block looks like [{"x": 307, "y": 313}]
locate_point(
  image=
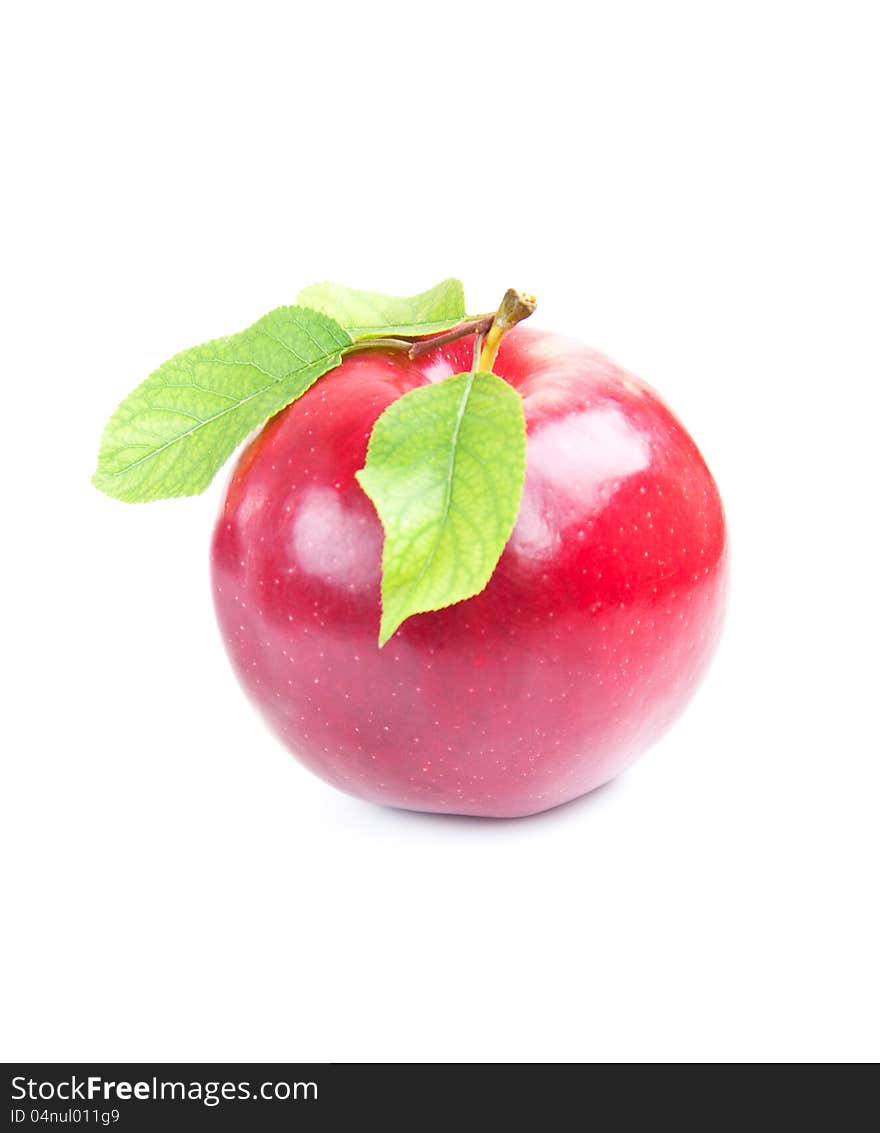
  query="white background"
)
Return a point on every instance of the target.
[{"x": 692, "y": 188}]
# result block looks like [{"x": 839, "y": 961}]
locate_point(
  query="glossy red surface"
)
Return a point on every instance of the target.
[{"x": 585, "y": 645}]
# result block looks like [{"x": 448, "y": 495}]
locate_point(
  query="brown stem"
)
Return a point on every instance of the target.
[
  {"x": 473, "y": 326},
  {"x": 487, "y": 329}
]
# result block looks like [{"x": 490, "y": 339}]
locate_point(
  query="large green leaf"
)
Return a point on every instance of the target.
[
  {"x": 445, "y": 469},
  {"x": 171, "y": 435}
]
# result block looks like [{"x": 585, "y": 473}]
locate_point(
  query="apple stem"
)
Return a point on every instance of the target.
[
  {"x": 515, "y": 306},
  {"x": 488, "y": 330},
  {"x": 415, "y": 349}
]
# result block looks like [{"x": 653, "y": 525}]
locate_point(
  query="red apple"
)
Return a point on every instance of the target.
[{"x": 584, "y": 646}]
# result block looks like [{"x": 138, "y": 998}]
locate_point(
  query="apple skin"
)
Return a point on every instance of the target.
[{"x": 587, "y": 642}]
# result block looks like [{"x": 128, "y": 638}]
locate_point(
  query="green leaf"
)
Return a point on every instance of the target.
[
  {"x": 445, "y": 469},
  {"x": 171, "y": 435},
  {"x": 369, "y": 314}
]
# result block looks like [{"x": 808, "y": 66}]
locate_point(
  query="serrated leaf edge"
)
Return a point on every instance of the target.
[
  {"x": 404, "y": 330},
  {"x": 104, "y": 481}
]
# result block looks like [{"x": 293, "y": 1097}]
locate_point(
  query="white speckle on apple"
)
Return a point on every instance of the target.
[{"x": 438, "y": 369}]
